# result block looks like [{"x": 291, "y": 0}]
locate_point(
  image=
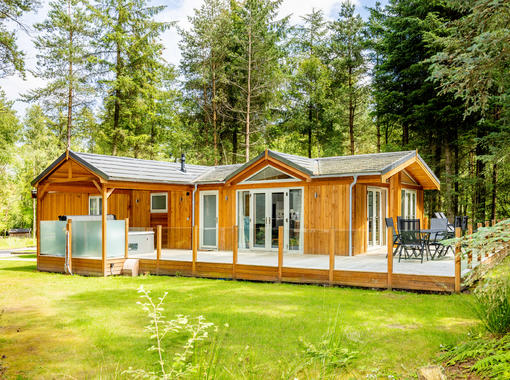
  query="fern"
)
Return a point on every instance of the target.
[{"x": 489, "y": 357}]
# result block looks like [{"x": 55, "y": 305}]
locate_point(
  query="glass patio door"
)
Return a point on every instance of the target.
[
  {"x": 375, "y": 202},
  {"x": 209, "y": 219},
  {"x": 260, "y": 213}
]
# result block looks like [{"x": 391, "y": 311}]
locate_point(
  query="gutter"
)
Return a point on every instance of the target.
[
  {"x": 351, "y": 186},
  {"x": 193, "y": 208}
]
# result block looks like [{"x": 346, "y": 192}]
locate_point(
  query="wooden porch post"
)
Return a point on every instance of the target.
[
  {"x": 104, "y": 211},
  {"x": 457, "y": 261},
  {"x": 158, "y": 246},
  {"x": 487, "y": 224},
  {"x": 331, "y": 255},
  {"x": 194, "y": 251},
  {"x": 126, "y": 238},
  {"x": 389, "y": 245},
  {"x": 234, "y": 251},
  {"x": 70, "y": 246},
  {"x": 38, "y": 223},
  {"x": 280, "y": 253}
]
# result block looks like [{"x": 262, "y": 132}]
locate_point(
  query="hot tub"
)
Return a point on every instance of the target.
[{"x": 140, "y": 242}]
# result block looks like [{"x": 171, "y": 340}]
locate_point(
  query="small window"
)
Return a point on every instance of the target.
[
  {"x": 95, "y": 205},
  {"x": 269, "y": 174},
  {"x": 159, "y": 202},
  {"x": 408, "y": 204}
]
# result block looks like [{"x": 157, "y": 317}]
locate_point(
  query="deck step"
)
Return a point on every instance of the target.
[{"x": 131, "y": 267}]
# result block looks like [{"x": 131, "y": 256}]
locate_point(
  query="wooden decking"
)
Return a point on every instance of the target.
[{"x": 367, "y": 270}]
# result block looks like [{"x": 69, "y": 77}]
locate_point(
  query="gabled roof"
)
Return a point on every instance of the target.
[{"x": 114, "y": 168}]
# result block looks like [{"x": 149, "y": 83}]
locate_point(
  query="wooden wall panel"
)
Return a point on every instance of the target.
[
  {"x": 55, "y": 204},
  {"x": 119, "y": 204},
  {"x": 140, "y": 209}
]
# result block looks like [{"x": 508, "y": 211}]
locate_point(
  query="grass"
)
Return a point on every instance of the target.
[
  {"x": 15, "y": 242},
  {"x": 54, "y": 326}
]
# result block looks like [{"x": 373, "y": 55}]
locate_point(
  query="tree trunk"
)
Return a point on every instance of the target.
[
  {"x": 449, "y": 177},
  {"x": 70, "y": 89},
  {"x": 378, "y": 128},
  {"x": 215, "y": 116},
  {"x": 248, "y": 99},
  {"x": 310, "y": 120},
  {"x": 494, "y": 190},
  {"x": 234, "y": 142},
  {"x": 116, "y": 109},
  {"x": 351, "y": 111}
]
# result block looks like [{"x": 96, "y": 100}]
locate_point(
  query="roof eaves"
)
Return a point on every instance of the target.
[{"x": 428, "y": 168}]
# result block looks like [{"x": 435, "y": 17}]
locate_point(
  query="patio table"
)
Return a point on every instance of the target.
[{"x": 429, "y": 232}]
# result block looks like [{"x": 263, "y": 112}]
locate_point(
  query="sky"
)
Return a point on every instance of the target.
[{"x": 176, "y": 10}]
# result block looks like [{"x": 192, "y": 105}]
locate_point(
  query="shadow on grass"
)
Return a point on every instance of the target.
[{"x": 25, "y": 268}]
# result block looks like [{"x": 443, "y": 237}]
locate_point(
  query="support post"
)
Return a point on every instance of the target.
[
  {"x": 104, "y": 212},
  {"x": 470, "y": 254},
  {"x": 234, "y": 251},
  {"x": 479, "y": 255},
  {"x": 457, "y": 260},
  {"x": 194, "y": 251},
  {"x": 38, "y": 223},
  {"x": 159, "y": 233},
  {"x": 280, "y": 253},
  {"x": 389, "y": 255},
  {"x": 69, "y": 228},
  {"x": 126, "y": 238},
  {"x": 487, "y": 224},
  {"x": 331, "y": 255}
]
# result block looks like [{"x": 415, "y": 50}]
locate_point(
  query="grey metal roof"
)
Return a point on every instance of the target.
[
  {"x": 218, "y": 173},
  {"x": 115, "y": 168},
  {"x": 379, "y": 163}
]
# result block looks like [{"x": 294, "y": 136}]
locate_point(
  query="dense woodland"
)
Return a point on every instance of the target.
[{"x": 418, "y": 74}]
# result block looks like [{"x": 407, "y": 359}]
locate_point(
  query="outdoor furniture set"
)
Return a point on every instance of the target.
[{"x": 411, "y": 241}]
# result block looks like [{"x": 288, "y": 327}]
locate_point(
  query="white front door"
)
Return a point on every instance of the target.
[
  {"x": 209, "y": 219},
  {"x": 376, "y": 207}
]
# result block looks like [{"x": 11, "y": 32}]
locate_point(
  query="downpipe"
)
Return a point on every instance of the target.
[{"x": 351, "y": 186}]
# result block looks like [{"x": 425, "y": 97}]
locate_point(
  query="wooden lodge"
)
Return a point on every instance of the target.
[{"x": 275, "y": 202}]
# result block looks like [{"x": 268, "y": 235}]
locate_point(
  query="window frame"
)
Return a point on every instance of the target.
[
  {"x": 405, "y": 203},
  {"x": 159, "y": 211},
  {"x": 96, "y": 198},
  {"x": 291, "y": 179}
]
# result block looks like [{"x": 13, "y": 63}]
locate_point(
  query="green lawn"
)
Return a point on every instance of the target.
[
  {"x": 13, "y": 242},
  {"x": 54, "y": 326}
]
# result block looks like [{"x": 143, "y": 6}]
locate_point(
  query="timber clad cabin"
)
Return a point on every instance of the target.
[{"x": 307, "y": 197}]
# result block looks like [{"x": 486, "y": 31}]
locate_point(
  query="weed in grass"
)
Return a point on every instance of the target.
[{"x": 190, "y": 359}]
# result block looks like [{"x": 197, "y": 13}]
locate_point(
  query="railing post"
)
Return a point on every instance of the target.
[
  {"x": 280, "y": 253},
  {"x": 458, "y": 254},
  {"x": 235, "y": 245},
  {"x": 126, "y": 238},
  {"x": 389, "y": 243},
  {"x": 158, "y": 246},
  {"x": 69, "y": 247},
  {"x": 487, "y": 224},
  {"x": 479, "y": 255},
  {"x": 470, "y": 254},
  {"x": 194, "y": 251},
  {"x": 331, "y": 255}
]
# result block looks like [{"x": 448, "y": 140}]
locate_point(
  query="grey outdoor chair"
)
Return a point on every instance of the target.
[
  {"x": 411, "y": 241},
  {"x": 435, "y": 239}
]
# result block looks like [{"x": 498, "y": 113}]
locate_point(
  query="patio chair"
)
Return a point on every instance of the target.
[
  {"x": 435, "y": 239},
  {"x": 396, "y": 237},
  {"x": 440, "y": 215},
  {"x": 411, "y": 241}
]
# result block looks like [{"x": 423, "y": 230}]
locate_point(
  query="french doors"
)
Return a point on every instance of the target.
[
  {"x": 376, "y": 210},
  {"x": 262, "y": 212}
]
